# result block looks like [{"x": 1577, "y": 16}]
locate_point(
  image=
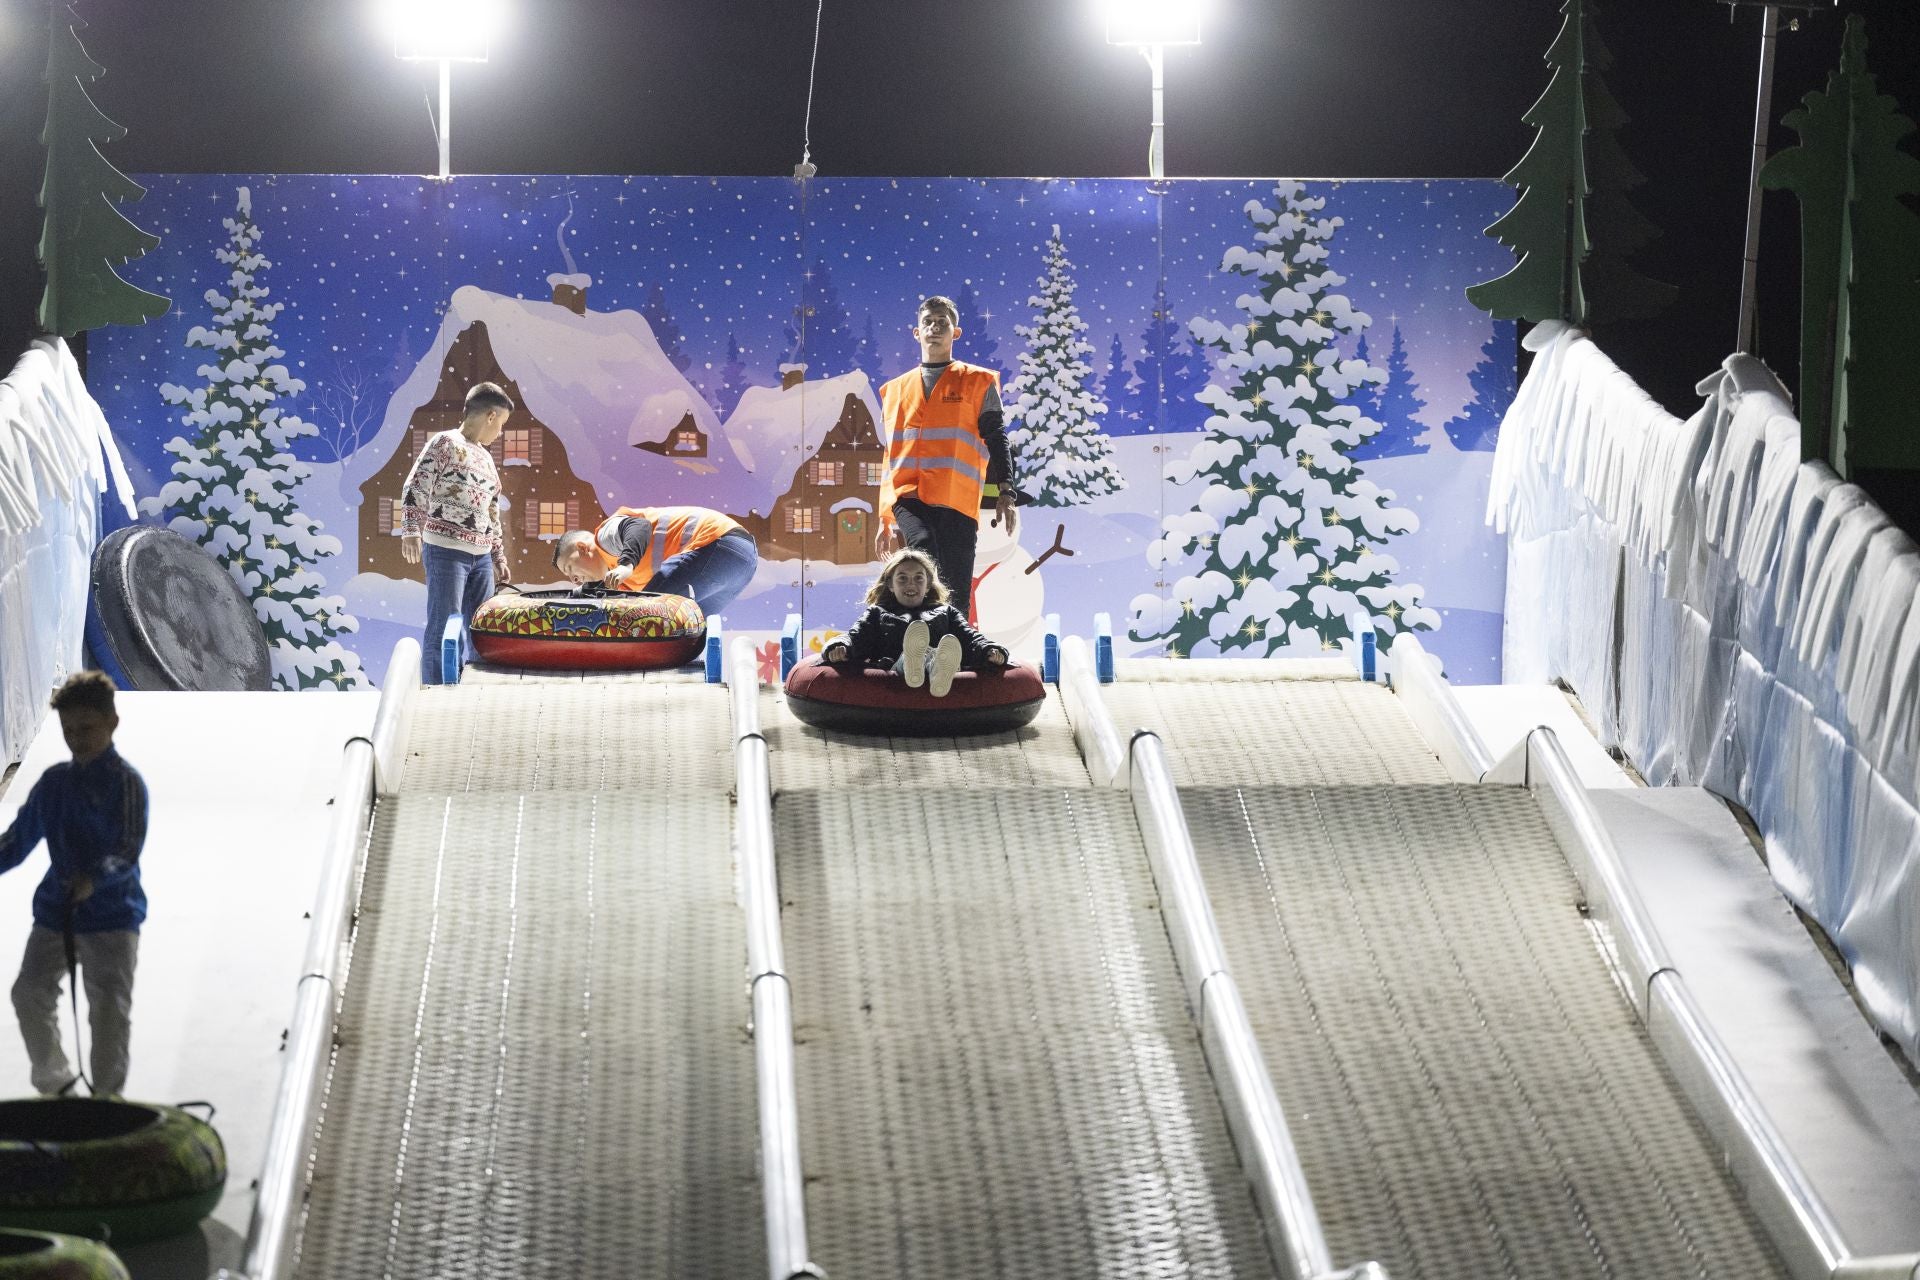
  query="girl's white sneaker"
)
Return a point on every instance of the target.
[
  {"x": 913, "y": 654},
  {"x": 946, "y": 665}
]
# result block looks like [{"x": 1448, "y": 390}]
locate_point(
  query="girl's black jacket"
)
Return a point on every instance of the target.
[{"x": 878, "y": 636}]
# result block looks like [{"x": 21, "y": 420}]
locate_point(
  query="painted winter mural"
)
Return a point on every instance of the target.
[{"x": 1241, "y": 409}]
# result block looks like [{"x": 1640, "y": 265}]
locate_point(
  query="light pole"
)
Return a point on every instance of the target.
[
  {"x": 1762, "y": 124},
  {"x": 1151, "y": 26},
  {"x": 446, "y": 32}
]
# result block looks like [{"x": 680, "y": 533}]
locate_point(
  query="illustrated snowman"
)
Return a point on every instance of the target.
[{"x": 1007, "y": 591}]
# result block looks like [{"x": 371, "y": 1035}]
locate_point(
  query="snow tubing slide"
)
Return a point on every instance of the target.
[
  {"x": 88, "y": 1166},
  {"x": 572, "y": 631},
  {"x": 163, "y": 614},
  {"x": 42, "y": 1255},
  {"x": 850, "y": 699}
]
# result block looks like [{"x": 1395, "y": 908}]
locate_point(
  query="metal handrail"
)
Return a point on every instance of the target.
[
  {"x": 1239, "y": 1069},
  {"x": 272, "y": 1226},
  {"x": 780, "y": 1172}
]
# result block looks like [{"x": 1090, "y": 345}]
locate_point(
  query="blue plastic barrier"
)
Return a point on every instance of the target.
[
  {"x": 1365, "y": 643},
  {"x": 1050, "y": 651},
  {"x": 716, "y": 651},
  {"x": 453, "y": 649},
  {"x": 1103, "y": 647},
  {"x": 789, "y": 645}
]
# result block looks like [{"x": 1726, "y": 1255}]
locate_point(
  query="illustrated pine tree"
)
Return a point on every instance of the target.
[
  {"x": 867, "y": 354},
  {"x": 1061, "y": 457},
  {"x": 1366, "y": 396},
  {"x": 84, "y": 237},
  {"x": 1494, "y": 380},
  {"x": 1285, "y": 536},
  {"x": 666, "y": 330},
  {"x": 1860, "y": 263},
  {"x": 1168, "y": 375},
  {"x": 1573, "y": 227},
  {"x": 821, "y": 335},
  {"x": 982, "y": 347},
  {"x": 1116, "y": 390},
  {"x": 236, "y": 480},
  {"x": 1393, "y": 406},
  {"x": 733, "y": 378}
]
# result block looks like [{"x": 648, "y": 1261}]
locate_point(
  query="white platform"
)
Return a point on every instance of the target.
[{"x": 239, "y": 785}]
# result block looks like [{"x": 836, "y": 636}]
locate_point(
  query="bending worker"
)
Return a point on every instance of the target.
[
  {"x": 945, "y": 439},
  {"x": 676, "y": 551}
]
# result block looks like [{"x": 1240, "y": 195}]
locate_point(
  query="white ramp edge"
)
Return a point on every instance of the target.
[{"x": 1790, "y": 1206}]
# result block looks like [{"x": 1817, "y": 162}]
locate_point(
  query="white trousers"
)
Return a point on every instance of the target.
[{"x": 106, "y": 968}]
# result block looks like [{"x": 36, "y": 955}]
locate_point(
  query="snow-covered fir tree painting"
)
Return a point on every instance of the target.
[
  {"x": 1394, "y": 404},
  {"x": 1061, "y": 456},
  {"x": 1285, "y": 536},
  {"x": 235, "y": 486}
]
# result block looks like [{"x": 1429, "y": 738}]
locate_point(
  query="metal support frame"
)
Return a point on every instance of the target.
[
  {"x": 1103, "y": 647},
  {"x": 453, "y": 650},
  {"x": 1050, "y": 650},
  {"x": 1156, "y": 56},
  {"x": 443, "y": 127},
  {"x": 714, "y": 655},
  {"x": 789, "y": 645}
]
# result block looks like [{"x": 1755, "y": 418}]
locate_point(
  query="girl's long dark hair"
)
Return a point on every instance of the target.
[{"x": 881, "y": 592}]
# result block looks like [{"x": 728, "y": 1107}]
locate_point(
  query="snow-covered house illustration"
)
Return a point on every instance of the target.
[
  {"x": 814, "y": 447},
  {"x": 603, "y": 419}
]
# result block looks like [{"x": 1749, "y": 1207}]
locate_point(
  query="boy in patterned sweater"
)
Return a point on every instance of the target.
[{"x": 450, "y": 517}]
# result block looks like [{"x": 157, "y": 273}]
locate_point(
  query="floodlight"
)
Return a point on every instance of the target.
[
  {"x": 442, "y": 30},
  {"x": 446, "y": 32},
  {"x": 1143, "y": 23},
  {"x": 1150, "y": 26}
]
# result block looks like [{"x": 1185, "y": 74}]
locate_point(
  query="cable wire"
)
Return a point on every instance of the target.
[{"x": 805, "y": 168}]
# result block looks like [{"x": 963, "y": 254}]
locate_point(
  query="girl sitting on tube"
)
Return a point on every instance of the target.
[{"x": 909, "y": 627}]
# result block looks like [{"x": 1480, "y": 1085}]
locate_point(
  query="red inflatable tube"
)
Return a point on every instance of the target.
[{"x": 849, "y": 699}]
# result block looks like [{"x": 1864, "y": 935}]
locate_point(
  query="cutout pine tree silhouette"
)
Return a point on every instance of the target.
[
  {"x": 1859, "y": 265},
  {"x": 84, "y": 237},
  {"x": 1573, "y": 227}
]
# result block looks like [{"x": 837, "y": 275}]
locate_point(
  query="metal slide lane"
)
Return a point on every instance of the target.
[
  {"x": 998, "y": 1074},
  {"x": 1470, "y": 1093},
  {"x": 542, "y": 1062}
]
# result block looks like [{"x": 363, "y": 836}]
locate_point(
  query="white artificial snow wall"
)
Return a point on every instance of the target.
[
  {"x": 55, "y": 455},
  {"x": 1734, "y": 618}
]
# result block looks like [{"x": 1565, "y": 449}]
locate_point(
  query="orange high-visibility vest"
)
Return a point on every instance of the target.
[
  {"x": 934, "y": 450},
  {"x": 675, "y": 529}
]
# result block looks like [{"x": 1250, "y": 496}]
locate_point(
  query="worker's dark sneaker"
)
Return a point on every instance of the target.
[
  {"x": 946, "y": 665},
  {"x": 913, "y": 654}
]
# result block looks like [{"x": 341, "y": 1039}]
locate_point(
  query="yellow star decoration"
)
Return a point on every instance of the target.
[
  {"x": 1286, "y": 271},
  {"x": 1326, "y": 645},
  {"x": 1307, "y": 365},
  {"x": 1393, "y": 611},
  {"x": 1326, "y": 575},
  {"x": 1365, "y": 551},
  {"x": 1250, "y": 488},
  {"x": 1252, "y": 630},
  {"x": 1173, "y": 651},
  {"x": 1257, "y": 400},
  {"x": 1319, "y": 316},
  {"x": 1294, "y": 540},
  {"x": 254, "y": 421},
  {"x": 1245, "y": 579},
  {"x": 274, "y": 543},
  {"x": 1333, "y": 517},
  {"x": 1186, "y": 608},
  {"x": 1206, "y": 542},
  {"x": 1306, "y": 459}
]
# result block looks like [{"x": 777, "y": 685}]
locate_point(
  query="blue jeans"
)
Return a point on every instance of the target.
[
  {"x": 456, "y": 583},
  {"x": 713, "y": 575}
]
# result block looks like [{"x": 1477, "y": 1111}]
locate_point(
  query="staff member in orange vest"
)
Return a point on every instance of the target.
[
  {"x": 676, "y": 551},
  {"x": 945, "y": 439}
]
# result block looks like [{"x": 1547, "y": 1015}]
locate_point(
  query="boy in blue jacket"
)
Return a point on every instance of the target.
[{"x": 92, "y": 813}]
